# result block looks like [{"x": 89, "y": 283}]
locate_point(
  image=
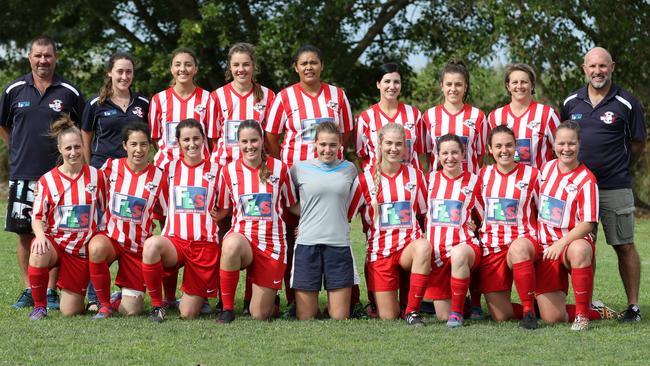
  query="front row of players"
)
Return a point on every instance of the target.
[{"x": 535, "y": 227}]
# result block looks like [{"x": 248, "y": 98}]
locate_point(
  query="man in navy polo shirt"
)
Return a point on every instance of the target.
[
  {"x": 613, "y": 134},
  {"x": 28, "y": 107}
]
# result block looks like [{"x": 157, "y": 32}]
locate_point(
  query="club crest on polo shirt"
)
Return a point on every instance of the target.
[
  {"x": 56, "y": 105},
  {"x": 189, "y": 199},
  {"x": 128, "y": 208},
  {"x": 551, "y": 210},
  {"x": 501, "y": 210},
  {"x": 24, "y": 104},
  {"x": 256, "y": 206},
  {"x": 231, "y": 132},
  {"x": 138, "y": 112},
  {"x": 308, "y": 127},
  {"x": 522, "y": 153},
  {"x": 395, "y": 215},
  {"x": 74, "y": 217},
  {"x": 445, "y": 212},
  {"x": 171, "y": 132},
  {"x": 608, "y": 118}
]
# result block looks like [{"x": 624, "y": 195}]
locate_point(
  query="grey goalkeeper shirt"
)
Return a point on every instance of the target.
[{"x": 325, "y": 191}]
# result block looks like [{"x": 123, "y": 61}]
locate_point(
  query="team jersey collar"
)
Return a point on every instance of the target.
[
  {"x": 513, "y": 171},
  {"x": 400, "y": 108},
  {"x": 304, "y": 92},
  {"x": 450, "y": 179},
  {"x": 70, "y": 179},
  {"x": 131, "y": 99},
  {"x": 243, "y": 163},
  {"x": 192, "y": 94},
  {"x": 397, "y": 174},
  {"x": 195, "y": 165},
  {"x": 453, "y": 114},
  {"x": 584, "y": 94},
  {"x": 530, "y": 106},
  {"x": 240, "y": 96},
  {"x": 127, "y": 167},
  {"x": 559, "y": 172},
  {"x": 56, "y": 79},
  {"x": 327, "y": 167}
]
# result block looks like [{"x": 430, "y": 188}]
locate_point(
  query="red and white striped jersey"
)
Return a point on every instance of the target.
[
  {"x": 191, "y": 195},
  {"x": 469, "y": 124},
  {"x": 131, "y": 199},
  {"x": 507, "y": 204},
  {"x": 226, "y": 110},
  {"x": 533, "y": 130},
  {"x": 297, "y": 114},
  {"x": 373, "y": 119},
  {"x": 391, "y": 219},
  {"x": 451, "y": 201},
  {"x": 258, "y": 208},
  {"x": 69, "y": 206},
  {"x": 565, "y": 200},
  {"x": 166, "y": 111}
]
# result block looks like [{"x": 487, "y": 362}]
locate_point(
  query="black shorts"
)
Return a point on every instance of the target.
[
  {"x": 19, "y": 207},
  {"x": 315, "y": 265}
]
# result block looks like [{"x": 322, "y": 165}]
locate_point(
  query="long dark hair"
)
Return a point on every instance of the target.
[
  {"x": 106, "y": 91},
  {"x": 263, "y": 172}
]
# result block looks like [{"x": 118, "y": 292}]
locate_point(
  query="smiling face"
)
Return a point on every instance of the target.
[
  {"x": 502, "y": 148},
  {"x": 121, "y": 75},
  {"x": 250, "y": 145},
  {"x": 598, "y": 68},
  {"x": 42, "y": 60},
  {"x": 191, "y": 142},
  {"x": 453, "y": 88},
  {"x": 450, "y": 155},
  {"x": 137, "y": 148},
  {"x": 520, "y": 86},
  {"x": 309, "y": 67},
  {"x": 567, "y": 146},
  {"x": 392, "y": 147},
  {"x": 184, "y": 68},
  {"x": 70, "y": 147},
  {"x": 390, "y": 86},
  {"x": 242, "y": 67},
  {"x": 327, "y": 146}
]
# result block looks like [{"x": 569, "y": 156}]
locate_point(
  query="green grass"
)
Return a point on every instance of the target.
[{"x": 117, "y": 341}]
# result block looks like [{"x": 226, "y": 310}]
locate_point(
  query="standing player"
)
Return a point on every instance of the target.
[
  {"x": 450, "y": 230},
  {"x": 295, "y": 112},
  {"x": 568, "y": 213},
  {"x": 323, "y": 254},
  {"x": 181, "y": 101},
  {"x": 28, "y": 107},
  {"x": 257, "y": 189},
  {"x": 240, "y": 100},
  {"x": 508, "y": 201},
  {"x": 533, "y": 123},
  {"x": 388, "y": 110},
  {"x": 133, "y": 186},
  {"x": 392, "y": 200},
  {"x": 190, "y": 235},
  {"x": 457, "y": 117},
  {"x": 65, "y": 217}
]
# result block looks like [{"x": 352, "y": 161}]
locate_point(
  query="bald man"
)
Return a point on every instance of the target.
[{"x": 613, "y": 134}]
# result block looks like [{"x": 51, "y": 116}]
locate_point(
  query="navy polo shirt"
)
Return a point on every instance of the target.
[
  {"x": 606, "y": 133},
  {"x": 29, "y": 115},
  {"x": 106, "y": 121}
]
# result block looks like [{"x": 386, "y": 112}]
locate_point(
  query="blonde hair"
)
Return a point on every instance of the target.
[{"x": 376, "y": 178}]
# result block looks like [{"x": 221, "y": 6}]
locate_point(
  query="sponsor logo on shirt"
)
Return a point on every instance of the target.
[
  {"x": 74, "y": 217},
  {"x": 24, "y": 104},
  {"x": 522, "y": 154},
  {"x": 188, "y": 199},
  {"x": 128, "y": 208},
  {"x": 256, "y": 206},
  {"x": 608, "y": 118},
  {"x": 138, "y": 112},
  {"x": 576, "y": 116},
  {"x": 110, "y": 112},
  {"x": 231, "y": 132},
  {"x": 552, "y": 210},
  {"x": 445, "y": 212},
  {"x": 309, "y": 125},
  {"x": 501, "y": 210},
  {"x": 56, "y": 105},
  {"x": 395, "y": 215}
]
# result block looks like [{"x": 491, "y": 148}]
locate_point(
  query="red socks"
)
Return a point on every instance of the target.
[
  {"x": 524, "y": 276},
  {"x": 582, "y": 280},
  {"x": 248, "y": 291},
  {"x": 100, "y": 276},
  {"x": 153, "y": 274},
  {"x": 229, "y": 280},
  {"x": 518, "y": 310},
  {"x": 419, "y": 283},
  {"x": 169, "y": 282},
  {"x": 38, "y": 278},
  {"x": 459, "y": 288}
]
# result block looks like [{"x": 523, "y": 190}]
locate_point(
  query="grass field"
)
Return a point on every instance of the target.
[{"x": 118, "y": 341}]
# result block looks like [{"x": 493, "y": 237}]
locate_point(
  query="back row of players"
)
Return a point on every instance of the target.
[{"x": 390, "y": 195}]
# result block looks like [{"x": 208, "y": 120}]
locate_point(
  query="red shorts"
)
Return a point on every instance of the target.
[
  {"x": 74, "y": 273},
  {"x": 201, "y": 274},
  {"x": 266, "y": 271},
  {"x": 495, "y": 275},
  {"x": 553, "y": 276},
  {"x": 384, "y": 274},
  {"x": 440, "y": 279},
  {"x": 129, "y": 272}
]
